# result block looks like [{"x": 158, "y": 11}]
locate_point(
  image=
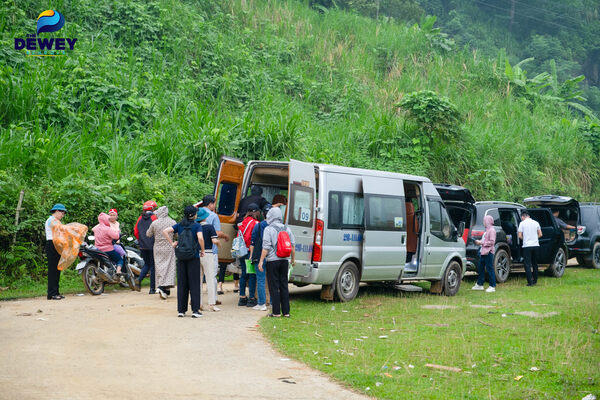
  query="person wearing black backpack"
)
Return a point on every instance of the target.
[
  {"x": 277, "y": 247},
  {"x": 189, "y": 247}
]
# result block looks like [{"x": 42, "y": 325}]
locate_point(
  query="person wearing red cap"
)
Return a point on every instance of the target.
[
  {"x": 112, "y": 219},
  {"x": 146, "y": 243}
]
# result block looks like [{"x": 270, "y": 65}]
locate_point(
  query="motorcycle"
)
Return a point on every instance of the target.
[{"x": 97, "y": 269}]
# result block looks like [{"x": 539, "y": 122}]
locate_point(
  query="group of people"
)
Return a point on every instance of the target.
[
  {"x": 529, "y": 232},
  {"x": 189, "y": 249}
]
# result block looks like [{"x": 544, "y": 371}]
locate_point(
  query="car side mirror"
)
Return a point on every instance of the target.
[{"x": 461, "y": 228}]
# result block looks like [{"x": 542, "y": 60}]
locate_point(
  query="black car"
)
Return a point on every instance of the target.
[
  {"x": 462, "y": 207},
  {"x": 583, "y": 241}
]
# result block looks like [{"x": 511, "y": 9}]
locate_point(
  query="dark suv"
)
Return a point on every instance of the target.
[
  {"x": 584, "y": 241},
  {"x": 462, "y": 207}
]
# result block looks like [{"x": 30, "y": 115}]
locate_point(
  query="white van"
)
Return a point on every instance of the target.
[{"x": 351, "y": 225}]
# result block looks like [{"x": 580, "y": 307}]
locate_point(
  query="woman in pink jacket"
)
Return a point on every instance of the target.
[
  {"x": 104, "y": 236},
  {"x": 486, "y": 256}
]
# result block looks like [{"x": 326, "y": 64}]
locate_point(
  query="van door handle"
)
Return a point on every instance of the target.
[
  {"x": 427, "y": 242},
  {"x": 403, "y": 239},
  {"x": 305, "y": 231}
]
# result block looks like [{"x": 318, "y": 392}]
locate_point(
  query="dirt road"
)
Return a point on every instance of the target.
[{"x": 130, "y": 345}]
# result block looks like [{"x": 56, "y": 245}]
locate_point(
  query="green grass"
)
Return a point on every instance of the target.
[{"x": 491, "y": 346}]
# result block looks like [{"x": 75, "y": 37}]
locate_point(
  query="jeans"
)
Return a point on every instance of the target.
[
  {"x": 116, "y": 257},
  {"x": 486, "y": 263},
  {"x": 148, "y": 256},
  {"x": 243, "y": 276},
  {"x": 260, "y": 285},
  {"x": 251, "y": 279},
  {"x": 530, "y": 260},
  {"x": 277, "y": 274}
]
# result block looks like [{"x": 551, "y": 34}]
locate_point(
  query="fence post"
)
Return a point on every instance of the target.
[{"x": 17, "y": 214}]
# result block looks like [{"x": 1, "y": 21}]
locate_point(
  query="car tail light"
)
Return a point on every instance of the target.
[
  {"x": 465, "y": 235},
  {"x": 477, "y": 234},
  {"x": 317, "y": 246},
  {"x": 580, "y": 229}
]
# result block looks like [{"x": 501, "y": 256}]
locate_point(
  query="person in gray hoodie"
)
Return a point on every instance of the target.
[{"x": 277, "y": 267}]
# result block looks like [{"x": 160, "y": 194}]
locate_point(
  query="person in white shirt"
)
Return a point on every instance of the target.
[{"x": 529, "y": 233}]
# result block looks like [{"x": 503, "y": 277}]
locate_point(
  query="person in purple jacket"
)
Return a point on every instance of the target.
[{"x": 486, "y": 256}]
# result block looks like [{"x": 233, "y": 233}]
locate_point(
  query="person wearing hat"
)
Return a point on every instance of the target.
[
  {"x": 146, "y": 243},
  {"x": 255, "y": 252},
  {"x": 188, "y": 270},
  {"x": 209, "y": 203},
  {"x": 245, "y": 229},
  {"x": 57, "y": 213},
  {"x": 209, "y": 266}
]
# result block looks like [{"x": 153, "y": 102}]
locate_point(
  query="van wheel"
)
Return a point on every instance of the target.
[
  {"x": 347, "y": 281},
  {"x": 501, "y": 265},
  {"x": 452, "y": 278},
  {"x": 596, "y": 255},
  {"x": 584, "y": 262},
  {"x": 557, "y": 269}
]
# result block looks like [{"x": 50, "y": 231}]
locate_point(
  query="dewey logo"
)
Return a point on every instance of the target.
[{"x": 48, "y": 21}]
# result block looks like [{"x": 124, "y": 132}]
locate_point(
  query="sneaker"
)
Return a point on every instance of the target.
[
  {"x": 162, "y": 294},
  {"x": 181, "y": 315},
  {"x": 491, "y": 289},
  {"x": 251, "y": 303},
  {"x": 477, "y": 287},
  {"x": 243, "y": 301},
  {"x": 260, "y": 307},
  {"x": 152, "y": 291},
  {"x": 197, "y": 314},
  {"x": 214, "y": 308}
]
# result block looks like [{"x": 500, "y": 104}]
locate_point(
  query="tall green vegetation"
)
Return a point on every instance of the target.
[{"x": 156, "y": 91}]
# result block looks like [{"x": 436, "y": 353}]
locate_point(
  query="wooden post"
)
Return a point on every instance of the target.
[{"x": 17, "y": 214}]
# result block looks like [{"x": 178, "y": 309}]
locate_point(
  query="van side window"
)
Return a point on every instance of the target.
[
  {"x": 493, "y": 212},
  {"x": 385, "y": 213},
  {"x": 226, "y": 198},
  {"x": 439, "y": 221},
  {"x": 301, "y": 202},
  {"x": 346, "y": 211}
]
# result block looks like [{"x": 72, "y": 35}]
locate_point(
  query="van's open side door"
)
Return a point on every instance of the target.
[
  {"x": 300, "y": 212},
  {"x": 384, "y": 238},
  {"x": 228, "y": 191}
]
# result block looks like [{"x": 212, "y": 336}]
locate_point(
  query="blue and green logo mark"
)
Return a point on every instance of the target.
[
  {"x": 50, "y": 21},
  {"x": 47, "y": 21}
]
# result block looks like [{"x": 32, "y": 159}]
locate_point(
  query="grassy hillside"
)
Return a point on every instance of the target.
[{"x": 156, "y": 91}]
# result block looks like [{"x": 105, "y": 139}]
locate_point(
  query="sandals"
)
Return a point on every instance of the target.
[
  {"x": 274, "y": 315},
  {"x": 56, "y": 297}
]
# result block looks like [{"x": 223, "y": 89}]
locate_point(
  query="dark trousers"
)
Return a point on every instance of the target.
[
  {"x": 188, "y": 284},
  {"x": 486, "y": 263},
  {"x": 222, "y": 270},
  {"x": 277, "y": 277},
  {"x": 53, "y": 272},
  {"x": 530, "y": 259},
  {"x": 148, "y": 256}
]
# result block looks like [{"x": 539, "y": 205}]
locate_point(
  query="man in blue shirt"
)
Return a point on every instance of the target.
[{"x": 209, "y": 203}]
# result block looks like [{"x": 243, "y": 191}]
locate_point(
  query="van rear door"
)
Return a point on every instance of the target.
[
  {"x": 228, "y": 192},
  {"x": 384, "y": 238},
  {"x": 300, "y": 213}
]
